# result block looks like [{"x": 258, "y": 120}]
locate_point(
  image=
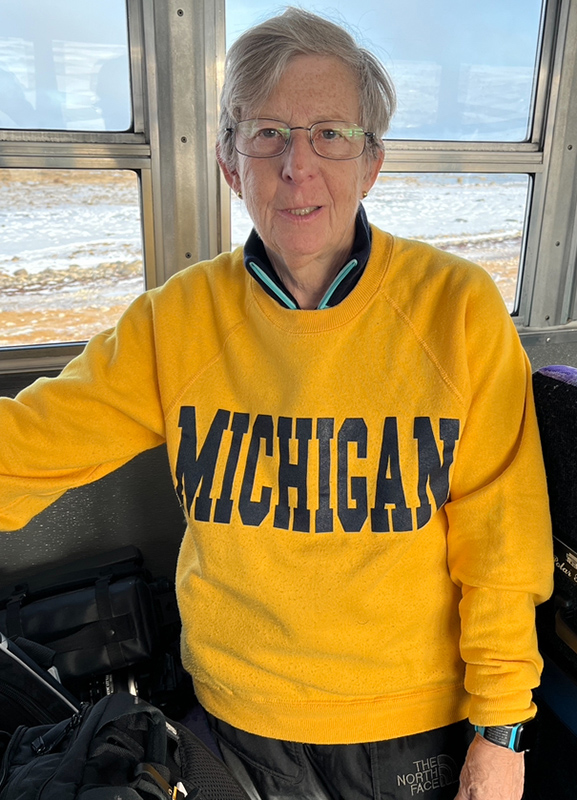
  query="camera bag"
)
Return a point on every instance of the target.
[
  {"x": 98, "y": 616},
  {"x": 111, "y": 625}
]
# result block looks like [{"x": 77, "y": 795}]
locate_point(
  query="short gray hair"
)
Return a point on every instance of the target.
[{"x": 257, "y": 59}]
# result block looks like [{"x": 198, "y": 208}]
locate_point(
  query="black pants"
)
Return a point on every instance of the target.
[{"x": 425, "y": 765}]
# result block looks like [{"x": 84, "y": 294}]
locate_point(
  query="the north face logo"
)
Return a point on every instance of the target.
[{"x": 430, "y": 773}]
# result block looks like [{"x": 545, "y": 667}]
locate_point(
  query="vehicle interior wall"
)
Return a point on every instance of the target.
[
  {"x": 543, "y": 353},
  {"x": 135, "y": 505}
]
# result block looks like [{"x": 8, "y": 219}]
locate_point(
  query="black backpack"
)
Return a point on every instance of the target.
[{"x": 121, "y": 748}]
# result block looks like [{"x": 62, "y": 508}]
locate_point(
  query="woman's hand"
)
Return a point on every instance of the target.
[{"x": 491, "y": 772}]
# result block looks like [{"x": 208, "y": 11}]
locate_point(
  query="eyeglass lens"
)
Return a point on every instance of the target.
[{"x": 266, "y": 138}]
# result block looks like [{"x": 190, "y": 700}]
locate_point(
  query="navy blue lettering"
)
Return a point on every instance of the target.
[
  {"x": 223, "y": 507},
  {"x": 432, "y": 473},
  {"x": 324, "y": 514},
  {"x": 193, "y": 470},
  {"x": 197, "y": 462},
  {"x": 252, "y": 512},
  {"x": 352, "y": 517},
  {"x": 389, "y": 490},
  {"x": 295, "y": 475}
]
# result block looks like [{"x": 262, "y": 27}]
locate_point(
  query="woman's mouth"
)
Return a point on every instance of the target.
[{"x": 302, "y": 212}]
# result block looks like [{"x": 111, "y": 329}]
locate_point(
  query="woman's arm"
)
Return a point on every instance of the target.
[
  {"x": 101, "y": 411},
  {"x": 499, "y": 548}
]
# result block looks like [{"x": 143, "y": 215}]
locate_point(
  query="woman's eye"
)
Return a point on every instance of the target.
[
  {"x": 268, "y": 133},
  {"x": 330, "y": 134}
]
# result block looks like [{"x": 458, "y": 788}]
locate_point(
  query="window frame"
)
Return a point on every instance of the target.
[
  {"x": 175, "y": 163},
  {"x": 547, "y": 283},
  {"x": 177, "y": 52}
]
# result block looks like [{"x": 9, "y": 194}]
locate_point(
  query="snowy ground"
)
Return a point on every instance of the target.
[{"x": 71, "y": 256}]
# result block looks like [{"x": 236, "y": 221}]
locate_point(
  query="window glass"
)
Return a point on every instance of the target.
[
  {"x": 64, "y": 65},
  {"x": 463, "y": 71},
  {"x": 478, "y": 217},
  {"x": 70, "y": 253}
]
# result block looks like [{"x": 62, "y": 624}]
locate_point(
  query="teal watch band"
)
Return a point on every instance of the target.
[{"x": 509, "y": 736}]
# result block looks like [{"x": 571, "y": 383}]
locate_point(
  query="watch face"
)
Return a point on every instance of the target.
[{"x": 526, "y": 735}]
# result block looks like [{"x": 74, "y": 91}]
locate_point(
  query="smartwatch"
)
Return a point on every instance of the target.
[{"x": 518, "y": 737}]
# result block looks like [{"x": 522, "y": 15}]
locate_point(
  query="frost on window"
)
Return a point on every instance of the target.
[{"x": 70, "y": 253}]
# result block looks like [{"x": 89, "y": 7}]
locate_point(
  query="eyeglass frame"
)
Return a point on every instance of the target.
[{"x": 368, "y": 135}]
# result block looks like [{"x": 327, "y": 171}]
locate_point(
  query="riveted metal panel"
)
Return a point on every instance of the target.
[
  {"x": 553, "y": 228},
  {"x": 182, "y": 131}
]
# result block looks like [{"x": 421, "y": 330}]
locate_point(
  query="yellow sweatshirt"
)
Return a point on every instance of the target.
[{"x": 368, "y": 529}]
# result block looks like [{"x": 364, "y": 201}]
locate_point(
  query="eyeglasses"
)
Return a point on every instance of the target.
[{"x": 267, "y": 138}]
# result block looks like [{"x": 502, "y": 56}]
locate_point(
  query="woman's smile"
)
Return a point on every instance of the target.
[{"x": 302, "y": 212}]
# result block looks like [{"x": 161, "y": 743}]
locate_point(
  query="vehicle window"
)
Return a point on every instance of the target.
[
  {"x": 70, "y": 253},
  {"x": 64, "y": 65},
  {"x": 464, "y": 71}
]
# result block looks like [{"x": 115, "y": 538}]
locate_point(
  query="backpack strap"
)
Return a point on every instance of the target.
[
  {"x": 105, "y": 613},
  {"x": 13, "y": 621},
  {"x": 39, "y": 653}
]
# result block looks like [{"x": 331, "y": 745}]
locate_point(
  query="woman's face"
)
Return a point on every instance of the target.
[{"x": 304, "y": 206}]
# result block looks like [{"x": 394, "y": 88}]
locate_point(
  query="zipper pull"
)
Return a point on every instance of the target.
[{"x": 40, "y": 746}]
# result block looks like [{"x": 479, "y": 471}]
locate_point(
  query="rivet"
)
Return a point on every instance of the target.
[
  {"x": 188, "y": 255},
  {"x": 183, "y": 139},
  {"x": 180, "y": 12}
]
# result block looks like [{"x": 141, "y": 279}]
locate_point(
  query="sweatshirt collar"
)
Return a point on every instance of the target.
[{"x": 259, "y": 266}]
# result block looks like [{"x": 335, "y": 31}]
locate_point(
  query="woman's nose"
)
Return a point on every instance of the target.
[{"x": 300, "y": 160}]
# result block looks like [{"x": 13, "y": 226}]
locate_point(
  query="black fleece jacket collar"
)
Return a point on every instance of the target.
[{"x": 259, "y": 266}]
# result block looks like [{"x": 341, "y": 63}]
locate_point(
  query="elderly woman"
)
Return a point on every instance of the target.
[{"x": 350, "y": 427}]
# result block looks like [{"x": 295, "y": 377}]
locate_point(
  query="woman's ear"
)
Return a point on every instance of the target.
[
  {"x": 372, "y": 169},
  {"x": 231, "y": 176}
]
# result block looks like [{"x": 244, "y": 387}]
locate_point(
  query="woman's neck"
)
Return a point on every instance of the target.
[{"x": 309, "y": 280}]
